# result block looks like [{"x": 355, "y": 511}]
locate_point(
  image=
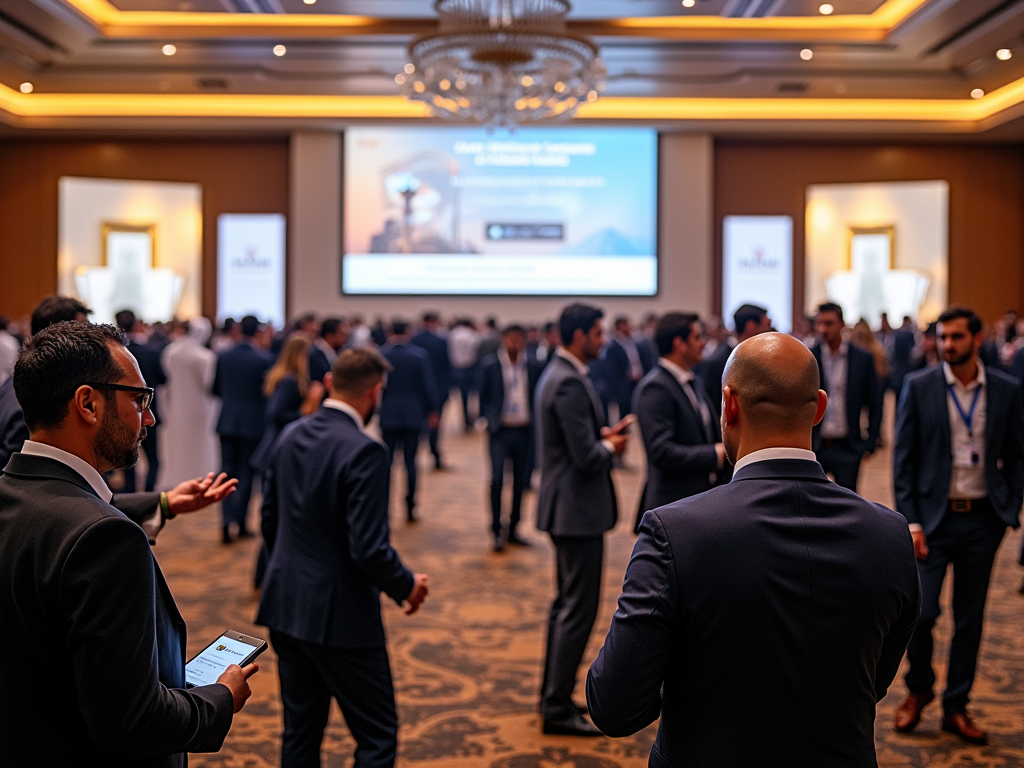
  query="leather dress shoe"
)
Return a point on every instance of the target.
[
  {"x": 499, "y": 544},
  {"x": 574, "y": 725},
  {"x": 225, "y": 535},
  {"x": 909, "y": 714},
  {"x": 962, "y": 725}
]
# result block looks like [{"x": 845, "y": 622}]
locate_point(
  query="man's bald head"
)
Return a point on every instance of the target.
[{"x": 775, "y": 379}]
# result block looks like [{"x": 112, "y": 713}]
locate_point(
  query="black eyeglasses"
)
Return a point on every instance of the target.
[{"x": 145, "y": 394}]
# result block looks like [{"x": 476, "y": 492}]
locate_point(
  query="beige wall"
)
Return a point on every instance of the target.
[{"x": 686, "y": 242}]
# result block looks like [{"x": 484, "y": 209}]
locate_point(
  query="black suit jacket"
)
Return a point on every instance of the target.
[
  {"x": 238, "y": 382},
  {"x": 152, "y": 371},
  {"x": 319, "y": 365},
  {"x": 863, "y": 393},
  {"x": 681, "y": 454},
  {"x": 779, "y": 598},
  {"x": 711, "y": 371},
  {"x": 325, "y": 521},
  {"x": 436, "y": 347},
  {"x": 492, "y": 389},
  {"x": 617, "y": 370},
  {"x": 922, "y": 450},
  {"x": 91, "y": 640},
  {"x": 283, "y": 407},
  {"x": 409, "y": 397},
  {"x": 899, "y": 350}
]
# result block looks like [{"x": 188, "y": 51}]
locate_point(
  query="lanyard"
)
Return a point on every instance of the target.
[{"x": 968, "y": 417}]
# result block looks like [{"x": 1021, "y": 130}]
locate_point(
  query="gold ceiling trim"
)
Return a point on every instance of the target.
[{"x": 173, "y": 25}]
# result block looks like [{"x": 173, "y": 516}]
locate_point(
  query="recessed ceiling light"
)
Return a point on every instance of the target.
[
  {"x": 26, "y": 87},
  {"x": 280, "y": 50},
  {"x": 825, "y": 9},
  {"x": 309, "y": 2},
  {"x": 806, "y": 54},
  {"x": 689, "y": 3},
  {"x": 169, "y": 50},
  {"x": 1004, "y": 54},
  {"x": 977, "y": 93}
]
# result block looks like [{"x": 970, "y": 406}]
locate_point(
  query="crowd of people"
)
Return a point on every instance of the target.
[{"x": 753, "y": 442}]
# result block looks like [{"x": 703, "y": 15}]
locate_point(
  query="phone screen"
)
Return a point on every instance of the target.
[{"x": 205, "y": 668}]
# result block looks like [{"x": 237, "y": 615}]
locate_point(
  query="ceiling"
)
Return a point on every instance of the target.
[{"x": 906, "y": 66}]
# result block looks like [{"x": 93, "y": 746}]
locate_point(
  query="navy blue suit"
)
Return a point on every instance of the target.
[
  {"x": 899, "y": 348},
  {"x": 409, "y": 399},
  {"x": 238, "y": 382},
  {"x": 13, "y": 432},
  {"x": 922, "y": 467},
  {"x": 153, "y": 373},
  {"x": 779, "y": 598},
  {"x": 436, "y": 346},
  {"x": 325, "y": 522},
  {"x": 710, "y": 372},
  {"x": 319, "y": 365},
  {"x": 616, "y": 373}
]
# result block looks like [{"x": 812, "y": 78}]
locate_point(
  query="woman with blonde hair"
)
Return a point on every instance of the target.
[{"x": 862, "y": 336}]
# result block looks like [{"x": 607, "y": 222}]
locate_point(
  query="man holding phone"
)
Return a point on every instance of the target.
[{"x": 92, "y": 647}]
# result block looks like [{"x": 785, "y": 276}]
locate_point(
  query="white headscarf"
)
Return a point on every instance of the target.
[{"x": 199, "y": 330}]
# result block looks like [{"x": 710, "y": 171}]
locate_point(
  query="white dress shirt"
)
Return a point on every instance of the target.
[
  {"x": 151, "y": 525},
  {"x": 463, "y": 343},
  {"x": 515, "y": 410},
  {"x": 685, "y": 379},
  {"x": 768, "y": 454},
  {"x": 967, "y": 482},
  {"x": 833, "y": 425},
  {"x": 636, "y": 368}
]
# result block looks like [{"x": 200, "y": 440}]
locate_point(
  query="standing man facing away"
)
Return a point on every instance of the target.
[
  {"x": 749, "y": 320},
  {"x": 624, "y": 366},
  {"x": 575, "y": 505},
  {"x": 238, "y": 382},
  {"x": 325, "y": 347},
  {"x": 325, "y": 521},
  {"x": 430, "y": 339},
  {"x": 847, "y": 374},
  {"x": 508, "y": 384},
  {"x": 92, "y": 647},
  {"x": 148, "y": 359},
  {"x": 685, "y": 454},
  {"x": 779, "y": 598},
  {"x": 958, "y": 472}
]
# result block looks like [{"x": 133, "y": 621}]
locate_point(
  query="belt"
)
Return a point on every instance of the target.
[{"x": 968, "y": 505}]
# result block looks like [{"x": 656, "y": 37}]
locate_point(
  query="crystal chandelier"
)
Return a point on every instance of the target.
[{"x": 502, "y": 63}]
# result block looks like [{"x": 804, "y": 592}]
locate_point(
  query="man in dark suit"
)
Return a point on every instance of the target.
[
  {"x": 749, "y": 320},
  {"x": 623, "y": 366},
  {"x": 238, "y": 382},
  {"x": 507, "y": 387},
  {"x": 685, "y": 454},
  {"x": 776, "y": 599},
  {"x": 848, "y": 376},
  {"x": 153, "y": 372},
  {"x": 575, "y": 505},
  {"x": 430, "y": 339},
  {"x": 91, "y": 637},
  {"x": 325, "y": 347},
  {"x": 958, "y": 472},
  {"x": 408, "y": 403},
  {"x": 899, "y": 347},
  {"x": 325, "y": 521}
]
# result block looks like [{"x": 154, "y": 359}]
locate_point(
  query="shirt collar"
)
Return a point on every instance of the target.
[
  {"x": 82, "y": 467},
  {"x": 506, "y": 361},
  {"x": 768, "y": 454},
  {"x": 841, "y": 352},
  {"x": 682, "y": 375},
  {"x": 341, "y": 405},
  {"x": 954, "y": 381},
  {"x": 578, "y": 364}
]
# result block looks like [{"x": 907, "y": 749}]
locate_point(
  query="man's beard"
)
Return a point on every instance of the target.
[
  {"x": 116, "y": 443},
  {"x": 730, "y": 445},
  {"x": 965, "y": 357}
]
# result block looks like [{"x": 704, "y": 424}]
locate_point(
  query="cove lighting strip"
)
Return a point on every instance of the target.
[{"x": 115, "y": 23}]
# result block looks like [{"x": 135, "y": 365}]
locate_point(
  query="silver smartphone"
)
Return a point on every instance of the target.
[{"x": 230, "y": 648}]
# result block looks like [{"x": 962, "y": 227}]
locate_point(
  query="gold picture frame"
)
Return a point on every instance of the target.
[
  {"x": 109, "y": 228},
  {"x": 856, "y": 232}
]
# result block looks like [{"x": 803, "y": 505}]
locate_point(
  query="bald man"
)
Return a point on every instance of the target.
[{"x": 764, "y": 619}]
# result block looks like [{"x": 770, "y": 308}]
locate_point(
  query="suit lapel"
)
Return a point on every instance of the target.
[
  {"x": 940, "y": 405},
  {"x": 687, "y": 405},
  {"x": 595, "y": 400}
]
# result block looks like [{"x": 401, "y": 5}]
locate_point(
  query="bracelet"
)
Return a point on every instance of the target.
[{"x": 165, "y": 507}]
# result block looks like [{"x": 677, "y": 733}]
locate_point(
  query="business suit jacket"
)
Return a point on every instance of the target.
[
  {"x": 410, "y": 396},
  {"x": 863, "y": 392},
  {"x": 617, "y": 369},
  {"x": 238, "y": 382},
  {"x": 319, "y": 365},
  {"x": 152, "y": 371},
  {"x": 902, "y": 347},
  {"x": 681, "y": 454},
  {"x": 922, "y": 450},
  {"x": 325, "y": 521},
  {"x": 492, "y": 389},
  {"x": 283, "y": 407},
  {"x": 436, "y": 347},
  {"x": 710, "y": 373},
  {"x": 91, "y": 641},
  {"x": 779, "y": 598},
  {"x": 576, "y": 496}
]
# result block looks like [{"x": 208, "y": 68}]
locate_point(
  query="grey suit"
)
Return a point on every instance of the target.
[{"x": 576, "y": 505}]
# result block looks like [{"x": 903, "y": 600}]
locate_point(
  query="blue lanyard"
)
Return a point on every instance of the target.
[{"x": 969, "y": 416}]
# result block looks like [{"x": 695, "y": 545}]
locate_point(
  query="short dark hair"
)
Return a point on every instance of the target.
[
  {"x": 125, "y": 320},
  {"x": 329, "y": 326},
  {"x": 974, "y": 324},
  {"x": 356, "y": 370},
  {"x": 56, "y": 309},
  {"x": 56, "y": 362},
  {"x": 619, "y": 321},
  {"x": 830, "y": 306},
  {"x": 670, "y": 326},
  {"x": 513, "y": 328},
  {"x": 747, "y": 313},
  {"x": 577, "y": 317},
  {"x": 399, "y": 327},
  {"x": 250, "y": 324},
  {"x": 431, "y": 317}
]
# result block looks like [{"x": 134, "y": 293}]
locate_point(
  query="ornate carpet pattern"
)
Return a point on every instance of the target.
[{"x": 467, "y": 667}]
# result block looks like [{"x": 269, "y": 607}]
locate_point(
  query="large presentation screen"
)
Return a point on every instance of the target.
[{"x": 542, "y": 211}]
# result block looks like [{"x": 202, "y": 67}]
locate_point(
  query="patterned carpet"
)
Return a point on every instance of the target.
[{"x": 467, "y": 666}]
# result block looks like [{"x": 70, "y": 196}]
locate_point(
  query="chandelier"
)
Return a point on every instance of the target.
[{"x": 502, "y": 63}]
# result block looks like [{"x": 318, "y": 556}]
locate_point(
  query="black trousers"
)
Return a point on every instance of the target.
[
  {"x": 842, "y": 460},
  {"x": 433, "y": 432},
  {"x": 466, "y": 380},
  {"x": 236, "y": 460},
  {"x": 358, "y": 679},
  {"x": 409, "y": 439},
  {"x": 509, "y": 444},
  {"x": 968, "y": 541},
  {"x": 149, "y": 448},
  {"x": 579, "y": 565}
]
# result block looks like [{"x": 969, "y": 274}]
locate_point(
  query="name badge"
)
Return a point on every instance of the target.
[{"x": 966, "y": 455}]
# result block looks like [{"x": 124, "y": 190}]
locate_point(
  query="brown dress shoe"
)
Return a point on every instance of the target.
[
  {"x": 909, "y": 714},
  {"x": 962, "y": 725}
]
